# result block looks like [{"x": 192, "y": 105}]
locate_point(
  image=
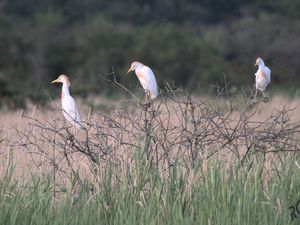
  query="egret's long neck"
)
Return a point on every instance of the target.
[
  {"x": 65, "y": 90},
  {"x": 138, "y": 68}
]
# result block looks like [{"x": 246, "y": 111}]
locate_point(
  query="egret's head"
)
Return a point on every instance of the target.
[
  {"x": 134, "y": 65},
  {"x": 62, "y": 79},
  {"x": 258, "y": 62}
]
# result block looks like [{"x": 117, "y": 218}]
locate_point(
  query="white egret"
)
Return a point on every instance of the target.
[
  {"x": 68, "y": 104},
  {"x": 262, "y": 77},
  {"x": 146, "y": 78}
]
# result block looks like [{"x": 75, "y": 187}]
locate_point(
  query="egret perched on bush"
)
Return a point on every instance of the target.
[
  {"x": 146, "y": 78},
  {"x": 68, "y": 104},
  {"x": 262, "y": 77}
]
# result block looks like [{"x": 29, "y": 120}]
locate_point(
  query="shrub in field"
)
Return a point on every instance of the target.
[
  {"x": 177, "y": 160},
  {"x": 175, "y": 130}
]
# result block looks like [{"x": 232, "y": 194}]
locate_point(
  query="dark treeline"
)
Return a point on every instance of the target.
[{"x": 192, "y": 43}]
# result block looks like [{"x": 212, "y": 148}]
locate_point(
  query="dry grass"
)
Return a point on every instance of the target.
[
  {"x": 177, "y": 129},
  {"x": 181, "y": 158}
]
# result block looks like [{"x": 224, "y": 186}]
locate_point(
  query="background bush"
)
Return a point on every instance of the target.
[{"x": 193, "y": 43}]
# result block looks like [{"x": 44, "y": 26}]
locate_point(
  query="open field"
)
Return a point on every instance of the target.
[
  {"x": 207, "y": 155},
  {"x": 180, "y": 160}
]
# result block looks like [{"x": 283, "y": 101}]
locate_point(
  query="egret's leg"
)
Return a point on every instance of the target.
[
  {"x": 255, "y": 94},
  {"x": 266, "y": 99},
  {"x": 146, "y": 97}
]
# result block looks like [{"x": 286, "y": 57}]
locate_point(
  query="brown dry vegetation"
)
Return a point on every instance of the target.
[{"x": 176, "y": 129}]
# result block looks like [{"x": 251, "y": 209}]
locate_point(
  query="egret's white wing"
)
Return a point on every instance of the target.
[
  {"x": 70, "y": 111},
  {"x": 262, "y": 78},
  {"x": 267, "y": 73},
  {"x": 257, "y": 77},
  {"x": 150, "y": 82}
]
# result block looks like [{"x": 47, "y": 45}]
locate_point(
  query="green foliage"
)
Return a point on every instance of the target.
[
  {"x": 236, "y": 196},
  {"x": 192, "y": 43}
]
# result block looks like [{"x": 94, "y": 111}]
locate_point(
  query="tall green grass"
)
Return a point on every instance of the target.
[{"x": 215, "y": 195}]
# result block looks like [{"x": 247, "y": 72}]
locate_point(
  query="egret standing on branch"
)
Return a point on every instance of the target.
[
  {"x": 262, "y": 77},
  {"x": 68, "y": 104},
  {"x": 146, "y": 78}
]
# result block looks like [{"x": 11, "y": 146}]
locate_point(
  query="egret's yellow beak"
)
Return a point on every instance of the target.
[
  {"x": 55, "y": 81},
  {"x": 129, "y": 69},
  {"x": 255, "y": 64}
]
